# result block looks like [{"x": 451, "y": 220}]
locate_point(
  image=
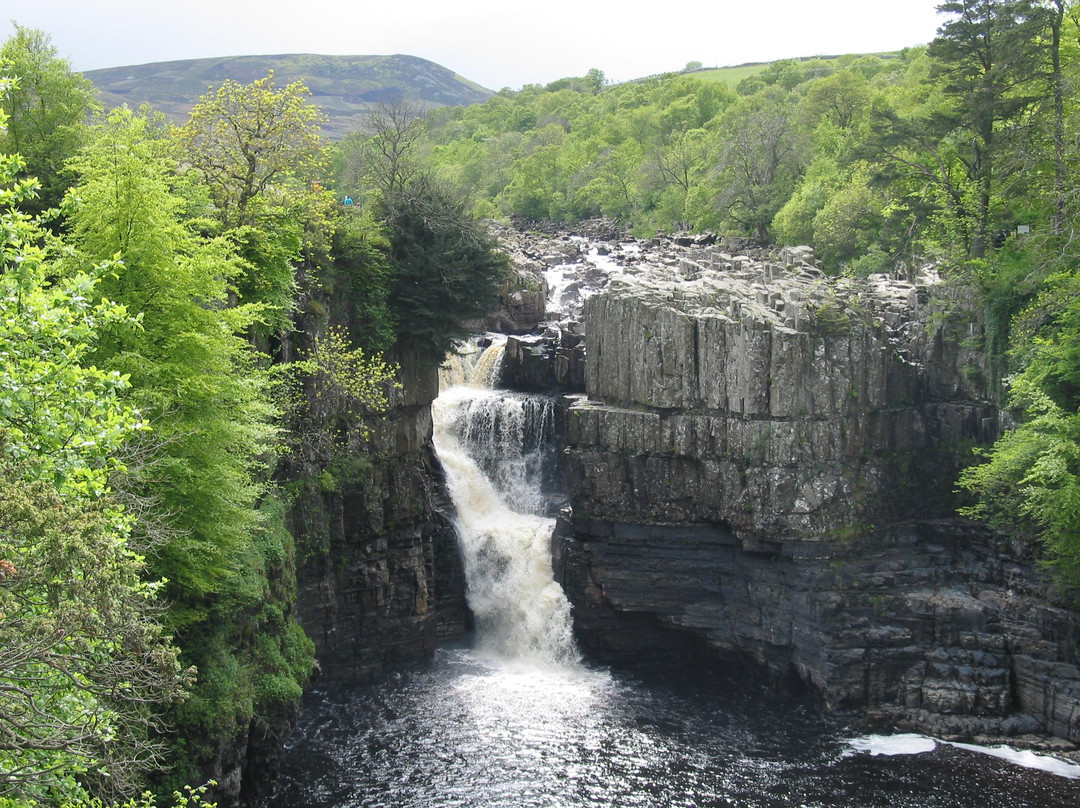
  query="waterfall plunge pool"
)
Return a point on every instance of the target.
[{"x": 477, "y": 731}]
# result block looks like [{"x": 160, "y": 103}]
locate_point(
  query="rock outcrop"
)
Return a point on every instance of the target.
[
  {"x": 764, "y": 466},
  {"x": 381, "y": 578}
]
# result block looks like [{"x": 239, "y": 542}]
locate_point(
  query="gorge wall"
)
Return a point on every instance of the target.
[
  {"x": 380, "y": 577},
  {"x": 764, "y": 466}
]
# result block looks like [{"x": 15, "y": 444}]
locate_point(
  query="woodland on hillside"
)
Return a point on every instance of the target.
[
  {"x": 152, "y": 277},
  {"x": 963, "y": 154}
]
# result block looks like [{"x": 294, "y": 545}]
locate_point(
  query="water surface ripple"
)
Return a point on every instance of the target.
[{"x": 486, "y": 733}]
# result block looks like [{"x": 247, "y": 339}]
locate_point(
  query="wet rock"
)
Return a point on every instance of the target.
[{"x": 381, "y": 578}]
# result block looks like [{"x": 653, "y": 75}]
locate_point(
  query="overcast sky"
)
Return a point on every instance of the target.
[{"x": 497, "y": 44}]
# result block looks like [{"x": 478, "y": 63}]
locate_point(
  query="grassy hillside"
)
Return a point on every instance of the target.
[
  {"x": 733, "y": 74},
  {"x": 345, "y": 87}
]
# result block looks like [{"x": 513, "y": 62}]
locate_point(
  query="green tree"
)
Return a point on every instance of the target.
[
  {"x": 850, "y": 221},
  {"x": 842, "y": 99},
  {"x": 985, "y": 56},
  {"x": 679, "y": 162},
  {"x": 224, "y": 551},
  {"x": 83, "y": 657},
  {"x": 595, "y": 80},
  {"x": 258, "y": 151},
  {"x": 760, "y": 163},
  {"x": 247, "y": 141},
  {"x": 446, "y": 267},
  {"x": 1030, "y": 485},
  {"x": 49, "y": 107}
]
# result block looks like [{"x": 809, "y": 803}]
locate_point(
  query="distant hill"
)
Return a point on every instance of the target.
[{"x": 344, "y": 87}]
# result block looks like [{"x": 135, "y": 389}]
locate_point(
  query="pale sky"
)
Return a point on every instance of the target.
[{"x": 496, "y": 44}]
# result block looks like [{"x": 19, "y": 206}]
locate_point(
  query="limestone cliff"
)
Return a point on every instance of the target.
[{"x": 764, "y": 466}]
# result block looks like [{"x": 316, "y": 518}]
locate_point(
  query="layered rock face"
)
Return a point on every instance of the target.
[
  {"x": 764, "y": 465},
  {"x": 380, "y": 578}
]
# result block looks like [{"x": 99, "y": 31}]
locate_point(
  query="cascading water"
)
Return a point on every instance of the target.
[{"x": 496, "y": 447}]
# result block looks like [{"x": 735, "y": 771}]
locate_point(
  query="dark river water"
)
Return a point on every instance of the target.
[{"x": 470, "y": 731}]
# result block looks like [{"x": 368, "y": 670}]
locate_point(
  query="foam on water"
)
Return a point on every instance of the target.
[
  {"x": 521, "y": 613},
  {"x": 912, "y": 744}
]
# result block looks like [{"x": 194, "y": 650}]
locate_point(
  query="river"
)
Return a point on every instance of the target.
[{"x": 515, "y": 718}]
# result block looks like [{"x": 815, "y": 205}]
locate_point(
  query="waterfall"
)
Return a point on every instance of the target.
[{"x": 495, "y": 446}]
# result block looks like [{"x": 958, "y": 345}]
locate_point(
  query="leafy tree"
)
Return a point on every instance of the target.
[
  {"x": 446, "y": 267},
  {"x": 794, "y": 222},
  {"x": 258, "y": 151},
  {"x": 759, "y": 165},
  {"x": 842, "y": 99},
  {"x": 210, "y": 403},
  {"x": 361, "y": 267},
  {"x": 985, "y": 56},
  {"x": 83, "y": 657},
  {"x": 679, "y": 162},
  {"x": 1030, "y": 485},
  {"x": 249, "y": 140},
  {"x": 850, "y": 221},
  {"x": 595, "y": 80},
  {"x": 48, "y": 106}
]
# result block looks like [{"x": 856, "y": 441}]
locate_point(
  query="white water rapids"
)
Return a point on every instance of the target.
[{"x": 490, "y": 443}]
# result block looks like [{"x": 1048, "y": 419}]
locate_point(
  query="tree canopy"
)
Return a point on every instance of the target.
[
  {"x": 48, "y": 109},
  {"x": 85, "y": 663}
]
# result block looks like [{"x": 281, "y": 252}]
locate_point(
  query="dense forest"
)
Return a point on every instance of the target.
[
  {"x": 153, "y": 431},
  {"x": 169, "y": 369}
]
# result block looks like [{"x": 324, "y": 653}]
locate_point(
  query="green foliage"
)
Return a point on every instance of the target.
[
  {"x": 850, "y": 222},
  {"x": 48, "y": 107},
  {"x": 81, "y": 649},
  {"x": 188, "y": 798},
  {"x": 63, "y": 417},
  {"x": 257, "y": 150},
  {"x": 446, "y": 268},
  {"x": 361, "y": 273},
  {"x": 832, "y": 319},
  {"x": 1030, "y": 484},
  {"x": 82, "y": 653},
  {"x": 760, "y": 163},
  {"x": 247, "y": 141},
  {"x": 794, "y": 222},
  {"x": 204, "y": 470},
  {"x": 332, "y": 391}
]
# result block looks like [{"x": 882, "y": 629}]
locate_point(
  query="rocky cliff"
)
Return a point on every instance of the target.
[
  {"x": 380, "y": 577},
  {"x": 764, "y": 467}
]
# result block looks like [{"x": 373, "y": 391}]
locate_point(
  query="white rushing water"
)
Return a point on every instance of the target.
[
  {"x": 912, "y": 744},
  {"x": 521, "y": 613}
]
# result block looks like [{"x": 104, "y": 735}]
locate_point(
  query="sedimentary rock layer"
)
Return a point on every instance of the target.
[{"x": 380, "y": 579}]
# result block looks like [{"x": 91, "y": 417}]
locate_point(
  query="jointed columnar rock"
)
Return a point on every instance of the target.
[
  {"x": 381, "y": 578},
  {"x": 765, "y": 466}
]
